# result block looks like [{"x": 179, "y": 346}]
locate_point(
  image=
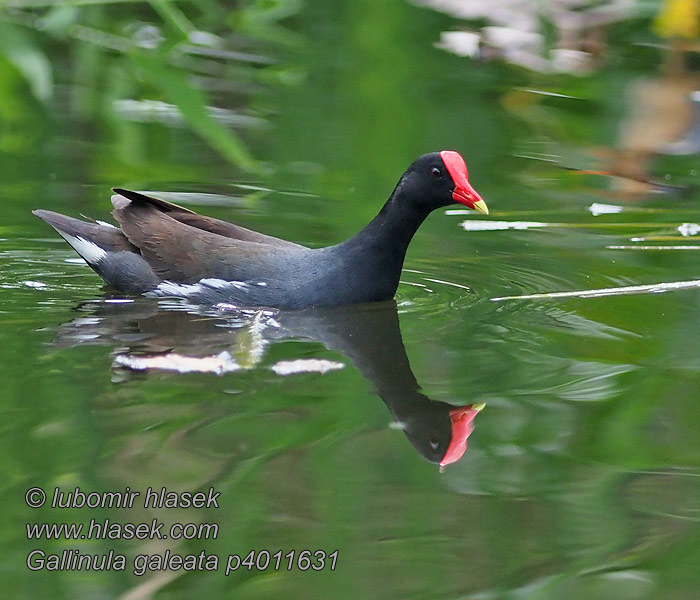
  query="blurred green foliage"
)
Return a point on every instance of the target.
[
  {"x": 147, "y": 50},
  {"x": 581, "y": 476}
]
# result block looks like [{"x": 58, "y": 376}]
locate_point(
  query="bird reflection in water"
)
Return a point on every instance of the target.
[{"x": 368, "y": 335}]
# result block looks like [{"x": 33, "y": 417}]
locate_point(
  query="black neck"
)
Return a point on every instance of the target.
[
  {"x": 388, "y": 235},
  {"x": 369, "y": 264}
]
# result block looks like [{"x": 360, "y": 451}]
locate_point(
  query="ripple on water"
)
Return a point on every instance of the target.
[
  {"x": 429, "y": 292},
  {"x": 41, "y": 277},
  {"x": 435, "y": 288},
  {"x": 518, "y": 280},
  {"x": 668, "y": 493}
]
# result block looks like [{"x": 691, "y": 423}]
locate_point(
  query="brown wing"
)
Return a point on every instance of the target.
[
  {"x": 184, "y": 253},
  {"x": 162, "y": 205},
  {"x": 188, "y": 217}
]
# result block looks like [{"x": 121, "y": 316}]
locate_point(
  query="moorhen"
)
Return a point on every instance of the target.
[{"x": 165, "y": 250}]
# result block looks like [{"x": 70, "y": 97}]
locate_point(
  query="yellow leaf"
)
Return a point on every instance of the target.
[{"x": 678, "y": 18}]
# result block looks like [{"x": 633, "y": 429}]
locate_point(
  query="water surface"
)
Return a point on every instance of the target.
[{"x": 582, "y": 474}]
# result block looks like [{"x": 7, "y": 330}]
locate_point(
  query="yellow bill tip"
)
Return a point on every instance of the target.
[{"x": 481, "y": 207}]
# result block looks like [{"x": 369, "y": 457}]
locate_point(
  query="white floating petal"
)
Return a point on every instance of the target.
[
  {"x": 688, "y": 229},
  {"x": 598, "y": 208},
  {"x": 219, "y": 364},
  {"x": 305, "y": 365},
  {"x": 484, "y": 225}
]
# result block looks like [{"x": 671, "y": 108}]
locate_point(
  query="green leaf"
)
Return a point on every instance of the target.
[
  {"x": 173, "y": 15},
  {"x": 192, "y": 102},
  {"x": 59, "y": 18},
  {"x": 18, "y": 48}
]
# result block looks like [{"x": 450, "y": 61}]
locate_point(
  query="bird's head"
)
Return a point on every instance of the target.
[{"x": 439, "y": 179}]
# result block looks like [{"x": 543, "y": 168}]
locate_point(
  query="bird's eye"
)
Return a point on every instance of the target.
[
  {"x": 435, "y": 172},
  {"x": 434, "y": 444}
]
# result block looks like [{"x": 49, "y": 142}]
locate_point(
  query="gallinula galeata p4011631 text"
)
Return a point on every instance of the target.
[{"x": 165, "y": 250}]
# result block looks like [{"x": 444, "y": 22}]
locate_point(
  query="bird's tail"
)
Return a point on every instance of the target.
[{"x": 106, "y": 250}]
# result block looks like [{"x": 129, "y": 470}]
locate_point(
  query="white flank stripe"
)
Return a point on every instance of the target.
[
  {"x": 186, "y": 289},
  {"x": 171, "y": 288},
  {"x": 215, "y": 283}
]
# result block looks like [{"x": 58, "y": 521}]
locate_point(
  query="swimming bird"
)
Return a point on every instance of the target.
[{"x": 161, "y": 249}]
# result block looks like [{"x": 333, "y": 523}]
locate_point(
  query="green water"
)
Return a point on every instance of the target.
[{"x": 582, "y": 474}]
